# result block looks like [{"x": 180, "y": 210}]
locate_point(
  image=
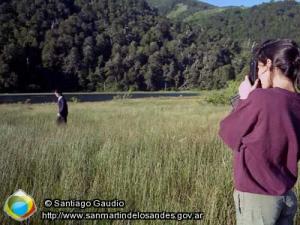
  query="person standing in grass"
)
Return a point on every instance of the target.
[
  {"x": 62, "y": 107},
  {"x": 263, "y": 130}
]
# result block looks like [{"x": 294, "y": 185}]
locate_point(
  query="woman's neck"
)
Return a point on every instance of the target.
[{"x": 281, "y": 81}]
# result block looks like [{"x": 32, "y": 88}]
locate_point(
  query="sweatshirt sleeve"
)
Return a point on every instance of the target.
[{"x": 240, "y": 121}]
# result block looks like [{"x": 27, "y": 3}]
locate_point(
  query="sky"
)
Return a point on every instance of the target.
[{"x": 234, "y": 2}]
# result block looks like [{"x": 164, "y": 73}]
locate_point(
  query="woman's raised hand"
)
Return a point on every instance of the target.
[{"x": 245, "y": 87}]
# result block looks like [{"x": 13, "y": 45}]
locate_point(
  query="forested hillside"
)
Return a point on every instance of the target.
[
  {"x": 179, "y": 9},
  {"x": 106, "y": 45},
  {"x": 278, "y": 19}
]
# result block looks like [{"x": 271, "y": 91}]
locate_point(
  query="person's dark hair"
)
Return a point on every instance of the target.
[
  {"x": 285, "y": 55},
  {"x": 58, "y": 91}
]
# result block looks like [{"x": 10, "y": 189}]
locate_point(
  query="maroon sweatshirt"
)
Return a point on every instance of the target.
[{"x": 264, "y": 133}]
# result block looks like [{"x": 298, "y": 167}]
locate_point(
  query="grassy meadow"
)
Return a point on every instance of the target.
[{"x": 157, "y": 154}]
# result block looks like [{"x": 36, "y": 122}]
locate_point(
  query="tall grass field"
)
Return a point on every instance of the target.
[{"x": 156, "y": 154}]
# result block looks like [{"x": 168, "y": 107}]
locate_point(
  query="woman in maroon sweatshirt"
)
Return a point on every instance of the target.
[{"x": 263, "y": 131}]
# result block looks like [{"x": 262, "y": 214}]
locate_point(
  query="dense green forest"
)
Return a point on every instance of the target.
[{"x": 108, "y": 45}]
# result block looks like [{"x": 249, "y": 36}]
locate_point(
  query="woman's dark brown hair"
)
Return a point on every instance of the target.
[{"x": 285, "y": 55}]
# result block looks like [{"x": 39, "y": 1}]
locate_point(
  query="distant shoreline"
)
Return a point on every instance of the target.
[{"x": 86, "y": 97}]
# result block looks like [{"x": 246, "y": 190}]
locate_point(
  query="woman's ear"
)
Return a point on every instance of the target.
[{"x": 269, "y": 63}]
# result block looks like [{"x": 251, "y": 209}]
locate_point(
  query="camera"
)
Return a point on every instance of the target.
[
  {"x": 252, "y": 77},
  {"x": 253, "y": 71}
]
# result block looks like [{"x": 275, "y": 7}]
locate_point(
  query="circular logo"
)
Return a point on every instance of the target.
[{"x": 20, "y": 206}]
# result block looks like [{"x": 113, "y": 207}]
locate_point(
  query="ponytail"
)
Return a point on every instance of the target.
[{"x": 296, "y": 75}]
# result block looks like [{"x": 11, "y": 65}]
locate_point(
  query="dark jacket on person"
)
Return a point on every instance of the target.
[{"x": 62, "y": 106}]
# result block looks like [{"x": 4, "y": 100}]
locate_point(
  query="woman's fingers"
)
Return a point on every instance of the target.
[{"x": 255, "y": 84}]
